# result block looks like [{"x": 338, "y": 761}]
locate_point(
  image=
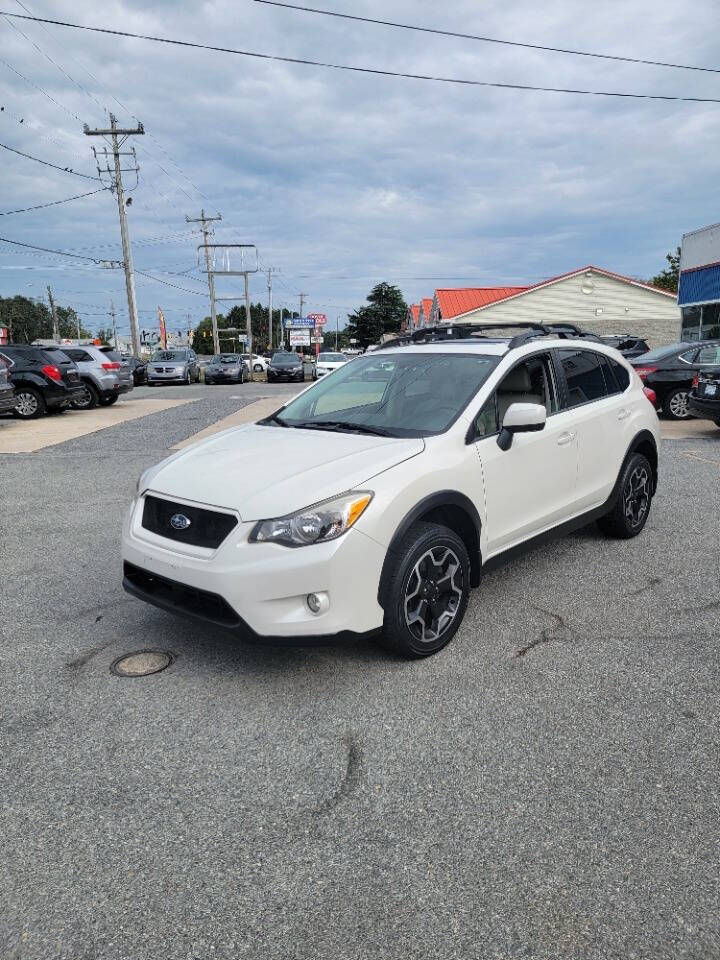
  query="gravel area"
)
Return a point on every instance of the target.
[{"x": 547, "y": 787}]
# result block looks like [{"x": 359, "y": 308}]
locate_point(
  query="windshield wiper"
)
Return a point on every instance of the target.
[
  {"x": 346, "y": 425},
  {"x": 274, "y": 418}
]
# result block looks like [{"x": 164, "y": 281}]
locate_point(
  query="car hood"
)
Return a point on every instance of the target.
[{"x": 265, "y": 472}]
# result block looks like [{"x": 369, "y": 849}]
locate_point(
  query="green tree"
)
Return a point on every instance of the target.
[
  {"x": 105, "y": 334},
  {"x": 668, "y": 279},
  {"x": 202, "y": 340},
  {"x": 384, "y": 313},
  {"x": 29, "y": 320}
]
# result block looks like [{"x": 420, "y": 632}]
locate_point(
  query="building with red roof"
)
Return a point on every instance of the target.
[{"x": 593, "y": 298}]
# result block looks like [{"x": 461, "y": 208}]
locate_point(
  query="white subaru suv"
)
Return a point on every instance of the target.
[{"x": 372, "y": 502}]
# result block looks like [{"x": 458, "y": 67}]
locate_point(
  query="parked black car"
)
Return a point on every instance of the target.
[
  {"x": 7, "y": 391},
  {"x": 286, "y": 366},
  {"x": 138, "y": 368},
  {"x": 226, "y": 368},
  {"x": 630, "y": 347},
  {"x": 704, "y": 399},
  {"x": 669, "y": 371},
  {"x": 43, "y": 381}
]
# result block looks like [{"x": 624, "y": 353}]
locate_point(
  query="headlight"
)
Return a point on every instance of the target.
[{"x": 315, "y": 524}]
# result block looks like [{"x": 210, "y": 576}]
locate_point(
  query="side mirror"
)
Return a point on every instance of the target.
[{"x": 521, "y": 418}]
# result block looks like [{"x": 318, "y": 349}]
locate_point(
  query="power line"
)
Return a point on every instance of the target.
[
  {"x": 61, "y": 253},
  {"x": 472, "y": 36},
  {"x": 370, "y": 70},
  {"x": 53, "y": 203},
  {"x": 46, "y": 163},
  {"x": 167, "y": 283}
]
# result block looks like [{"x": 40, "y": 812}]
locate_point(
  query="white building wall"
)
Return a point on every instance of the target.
[{"x": 594, "y": 302}]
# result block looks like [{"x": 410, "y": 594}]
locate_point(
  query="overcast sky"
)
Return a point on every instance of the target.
[{"x": 342, "y": 179}]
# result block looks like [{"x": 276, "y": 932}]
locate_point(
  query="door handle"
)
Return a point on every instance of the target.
[
  {"x": 565, "y": 438},
  {"x": 624, "y": 414}
]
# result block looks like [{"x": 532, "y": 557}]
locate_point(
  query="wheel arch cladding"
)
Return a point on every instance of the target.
[
  {"x": 450, "y": 508},
  {"x": 644, "y": 443}
]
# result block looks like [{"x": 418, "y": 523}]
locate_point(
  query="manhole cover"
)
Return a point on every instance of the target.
[{"x": 141, "y": 663}]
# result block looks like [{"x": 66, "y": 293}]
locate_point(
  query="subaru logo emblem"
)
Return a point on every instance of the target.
[{"x": 178, "y": 521}]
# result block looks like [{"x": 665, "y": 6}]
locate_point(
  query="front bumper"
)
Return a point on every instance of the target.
[
  {"x": 704, "y": 409},
  {"x": 290, "y": 377},
  {"x": 258, "y": 590}
]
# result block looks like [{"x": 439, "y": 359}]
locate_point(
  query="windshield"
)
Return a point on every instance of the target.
[
  {"x": 399, "y": 394},
  {"x": 169, "y": 355},
  {"x": 661, "y": 352},
  {"x": 286, "y": 359},
  {"x": 226, "y": 358},
  {"x": 331, "y": 358}
]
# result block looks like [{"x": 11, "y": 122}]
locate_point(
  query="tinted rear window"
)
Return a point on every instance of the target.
[
  {"x": 584, "y": 375},
  {"x": 113, "y": 355}
]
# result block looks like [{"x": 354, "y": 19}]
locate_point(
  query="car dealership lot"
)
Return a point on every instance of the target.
[{"x": 544, "y": 787}]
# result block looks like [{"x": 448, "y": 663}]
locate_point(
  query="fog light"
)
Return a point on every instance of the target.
[{"x": 318, "y": 602}]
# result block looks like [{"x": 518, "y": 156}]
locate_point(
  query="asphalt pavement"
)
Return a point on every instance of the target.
[{"x": 546, "y": 787}]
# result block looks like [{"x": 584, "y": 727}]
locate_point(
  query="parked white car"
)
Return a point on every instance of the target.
[
  {"x": 260, "y": 364},
  {"x": 373, "y": 501},
  {"x": 327, "y": 362}
]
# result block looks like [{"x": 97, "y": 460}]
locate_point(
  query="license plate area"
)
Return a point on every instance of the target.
[{"x": 710, "y": 389}]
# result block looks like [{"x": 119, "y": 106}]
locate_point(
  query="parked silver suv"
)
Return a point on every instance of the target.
[
  {"x": 179, "y": 365},
  {"x": 104, "y": 374}
]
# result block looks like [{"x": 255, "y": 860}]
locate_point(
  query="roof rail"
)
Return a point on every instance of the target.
[{"x": 465, "y": 331}]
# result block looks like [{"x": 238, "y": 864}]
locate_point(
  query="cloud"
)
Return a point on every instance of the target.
[{"x": 344, "y": 179}]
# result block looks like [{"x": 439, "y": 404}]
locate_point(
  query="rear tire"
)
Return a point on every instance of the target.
[
  {"x": 29, "y": 404},
  {"x": 188, "y": 379},
  {"x": 675, "y": 404},
  {"x": 89, "y": 400},
  {"x": 426, "y": 594},
  {"x": 632, "y": 507},
  {"x": 108, "y": 401}
]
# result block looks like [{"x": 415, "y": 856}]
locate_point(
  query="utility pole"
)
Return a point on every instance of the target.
[
  {"x": 53, "y": 309},
  {"x": 303, "y": 298},
  {"x": 114, "y": 133},
  {"x": 270, "y": 312},
  {"x": 248, "y": 319},
  {"x": 112, "y": 314},
  {"x": 204, "y": 221}
]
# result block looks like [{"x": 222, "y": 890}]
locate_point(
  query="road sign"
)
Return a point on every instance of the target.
[
  {"x": 316, "y": 340},
  {"x": 299, "y": 338},
  {"x": 301, "y": 322},
  {"x": 319, "y": 319}
]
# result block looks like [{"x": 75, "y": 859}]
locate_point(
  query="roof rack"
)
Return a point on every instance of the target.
[{"x": 465, "y": 331}]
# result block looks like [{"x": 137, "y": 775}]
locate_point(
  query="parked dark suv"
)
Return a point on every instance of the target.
[
  {"x": 630, "y": 347},
  {"x": 7, "y": 391},
  {"x": 43, "y": 381},
  {"x": 670, "y": 371}
]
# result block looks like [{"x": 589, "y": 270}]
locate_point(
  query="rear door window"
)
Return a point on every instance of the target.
[
  {"x": 583, "y": 375},
  {"x": 79, "y": 356}
]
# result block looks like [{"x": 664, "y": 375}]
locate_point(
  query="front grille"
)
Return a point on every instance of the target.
[
  {"x": 207, "y": 528},
  {"x": 180, "y": 597}
]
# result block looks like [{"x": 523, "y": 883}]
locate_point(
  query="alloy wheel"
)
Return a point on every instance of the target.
[
  {"x": 636, "y": 496},
  {"x": 26, "y": 404},
  {"x": 433, "y": 594},
  {"x": 679, "y": 405},
  {"x": 83, "y": 400}
]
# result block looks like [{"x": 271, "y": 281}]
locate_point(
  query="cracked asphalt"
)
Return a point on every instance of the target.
[{"x": 547, "y": 787}]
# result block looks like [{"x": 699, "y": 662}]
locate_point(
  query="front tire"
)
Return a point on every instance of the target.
[
  {"x": 29, "y": 404},
  {"x": 108, "y": 401},
  {"x": 427, "y": 592},
  {"x": 188, "y": 379},
  {"x": 632, "y": 507},
  {"x": 675, "y": 404},
  {"x": 258, "y": 368},
  {"x": 88, "y": 401}
]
